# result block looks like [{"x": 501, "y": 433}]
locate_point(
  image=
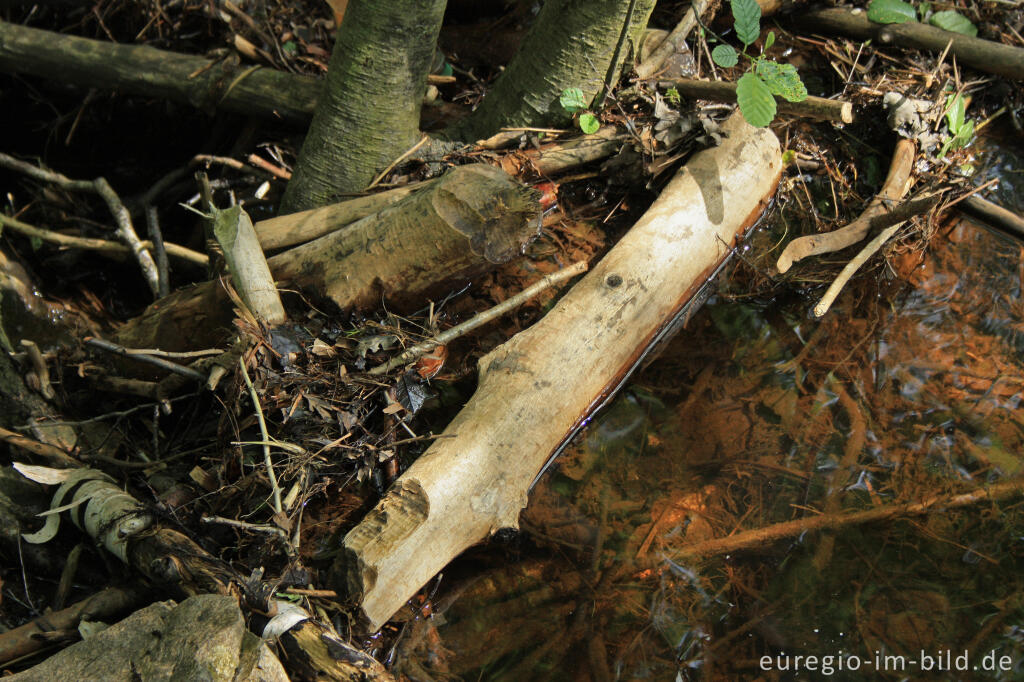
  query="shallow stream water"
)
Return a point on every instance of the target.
[{"x": 760, "y": 417}]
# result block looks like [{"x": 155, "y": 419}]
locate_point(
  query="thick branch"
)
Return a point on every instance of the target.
[
  {"x": 813, "y": 107},
  {"x": 204, "y": 83},
  {"x": 983, "y": 55}
]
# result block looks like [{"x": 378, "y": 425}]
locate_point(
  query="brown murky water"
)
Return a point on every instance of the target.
[{"x": 758, "y": 416}]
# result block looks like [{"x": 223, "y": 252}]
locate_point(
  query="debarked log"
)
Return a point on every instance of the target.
[
  {"x": 537, "y": 389},
  {"x": 437, "y": 238}
]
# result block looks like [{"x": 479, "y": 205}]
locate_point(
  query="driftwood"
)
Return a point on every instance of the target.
[
  {"x": 537, "y": 389},
  {"x": 471, "y": 218},
  {"x": 983, "y": 55},
  {"x": 203, "y": 638},
  {"x": 994, "y": 216},
  {"x": 895, "y": 186},
  {"x": 299, "y": 228}
]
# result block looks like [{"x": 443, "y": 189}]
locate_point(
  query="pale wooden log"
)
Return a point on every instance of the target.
[
  {"x": 539, "y": 387},
  {"x": 249, "y": 270},
  {"x": 298, "y": 228}
]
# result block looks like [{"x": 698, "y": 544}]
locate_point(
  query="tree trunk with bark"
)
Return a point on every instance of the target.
[
  {"x": 369, "y": 111},
  {"x": 573, "y": 44}
]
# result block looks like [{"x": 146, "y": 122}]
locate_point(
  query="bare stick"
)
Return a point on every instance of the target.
[
  {"x": 158, "y": 362},
  {"x": 672, "y": 41},
  {"x": 896, "y": 218},
  {"x": 761, "y": 537},
  {"x": 818, "y": 108},
  {"x": 101, "y": 245},
  {"x": 162, "y": 266},
  {"x": 482, "y": 318},
  {"x": 266, "y": 437},
  {"x": 100, "y": 186},
  {"x": 893, "y": 189}
]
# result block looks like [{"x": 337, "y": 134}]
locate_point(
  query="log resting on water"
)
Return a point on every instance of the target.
[{"x": 540, "y": 386}]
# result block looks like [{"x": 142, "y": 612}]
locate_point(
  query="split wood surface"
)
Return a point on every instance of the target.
[{"x": 539, "y": 387}]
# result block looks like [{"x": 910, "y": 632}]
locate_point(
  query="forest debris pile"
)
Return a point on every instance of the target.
[{"x": 270, "y": 442}]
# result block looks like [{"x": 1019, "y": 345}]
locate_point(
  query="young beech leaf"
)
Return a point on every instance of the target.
[
  {"x": 755, "y": 99},
  {"x": 725, "y": 56},
  {"x": 769, "y": 41},
  {"x": 782, "y": 79},
  {"x": 747, "y": 14},
  {"x": 891, "y": 12},
  {"x": 589, "y": 123},
  {"x": 572, "y": 100},
  {"x": 955, "y": 22}
]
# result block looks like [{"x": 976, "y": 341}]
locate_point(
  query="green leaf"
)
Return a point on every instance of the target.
[
  {"x": 769, "y": 41},
  {"x": 955, "y": 22},
  {"x": 747, "y": 14},
  {"x": 725, "y": 56},
  {"x": 589, "y": 123},
  {"x": 572, "y": 100},
  {"x": 755, "y": 99},
  {"x": 788, "y": 157},
  {"x": 672, "y": 95},
  {"x": 963, "y": 136},
  {"x": 782, "y": 79},
  {"x": 955, "y": 113},
  {"x": 891, "y": 12}
]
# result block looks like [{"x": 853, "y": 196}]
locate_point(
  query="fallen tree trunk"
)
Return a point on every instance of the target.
[
  {"x": 984, "y": 55},
  {"x": 204, "y": 83},
  {"x": 454, "y": 229},
  {"x": 537, "y": 389}
]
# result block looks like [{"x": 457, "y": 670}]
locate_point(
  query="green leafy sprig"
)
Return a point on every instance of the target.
[
  {"x": 757, "y": 88},
  {"x": 573, "y": 102}
]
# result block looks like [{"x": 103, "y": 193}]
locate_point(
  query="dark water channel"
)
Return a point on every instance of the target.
[{"x": 758, "y": 415}]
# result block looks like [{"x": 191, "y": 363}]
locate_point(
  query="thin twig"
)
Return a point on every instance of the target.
[
  {"x": 895, "y": 219},
  {"x": 123, "y": 219},
  {"x": 400, "y": 159},
  {"x": 482, "y": 318},
  {"x": 266, "y": 439},
  {"x": 163, "y": 268},
  {"x": 157, "y": 362},
  {"x": 243, "y": 525},
  {"x": 101, "y": 245},
  {"x": 762, "y": 537}
]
